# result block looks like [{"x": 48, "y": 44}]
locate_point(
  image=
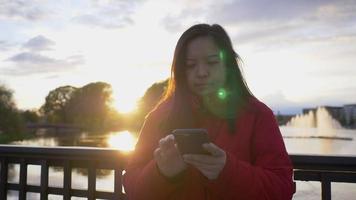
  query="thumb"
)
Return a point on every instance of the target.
[{"x": 213, "y": 149}]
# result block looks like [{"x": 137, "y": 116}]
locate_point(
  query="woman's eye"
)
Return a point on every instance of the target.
[
  {"x": 190, "y": 65},
  {"x": 213, "y": 62}
]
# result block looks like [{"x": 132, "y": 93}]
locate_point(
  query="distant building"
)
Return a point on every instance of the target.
[
  {"x": 350, "y": 115},
  {"x": 337, "y": 112},
  {"x": 307, "y": 110}
]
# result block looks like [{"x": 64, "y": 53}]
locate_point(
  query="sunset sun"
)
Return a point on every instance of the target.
[{"x": 125, "y": 102}]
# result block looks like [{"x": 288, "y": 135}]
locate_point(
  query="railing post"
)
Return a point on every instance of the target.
[
  {"x": 91, "y": 181},
  {"x": 23, "y": 180},
  {"x": 44, "y": 180},
  {"x": 3, "y": 179},
  {"x": 67, "y": 180},
  {"x": 118, "y": 184},
  {"x": 325, "y": 188}
]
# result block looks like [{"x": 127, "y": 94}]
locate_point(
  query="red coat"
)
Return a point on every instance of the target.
[{"x": 257, "y": 164}]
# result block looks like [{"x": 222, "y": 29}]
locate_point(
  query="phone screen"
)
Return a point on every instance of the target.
[{"x": 190, "y": 141}]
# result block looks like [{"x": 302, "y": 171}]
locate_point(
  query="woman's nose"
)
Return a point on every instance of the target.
[{"x": 202, "y": 70}]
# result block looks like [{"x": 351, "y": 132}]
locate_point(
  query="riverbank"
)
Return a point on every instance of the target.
[{"x": 6, "y": 138}]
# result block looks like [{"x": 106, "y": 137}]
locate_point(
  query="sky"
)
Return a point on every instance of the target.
[{"x": 296, "y": 54}]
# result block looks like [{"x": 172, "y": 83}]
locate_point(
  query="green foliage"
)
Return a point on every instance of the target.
[
  {"x": 56, "y": 101},
  {"x": 149, "y": 100},
  {"x": 151, "y": 97},
  {"x": 10, "y": 120},
  {"x": 90, "y": 106},
  {"x": 30, "y": 116}
]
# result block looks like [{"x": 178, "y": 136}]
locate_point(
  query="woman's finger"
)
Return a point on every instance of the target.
[
  {"x": 170, "y": 140},
  {"x": 157, "y": 153},
  {"x": 166, "y": 142},
  {"x": 204, "y": 159},
  {"x": 204, "y": 166},
  {"x": 213, "y": 149},
  {"x": 211, "y": 172}
]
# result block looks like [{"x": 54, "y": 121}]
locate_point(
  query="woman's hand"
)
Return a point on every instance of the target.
[
  {"x": 209, "y": 165},
  {"x": 168, "y": 158}
]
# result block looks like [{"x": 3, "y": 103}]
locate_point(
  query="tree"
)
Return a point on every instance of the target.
[
  {"x": 56, "y": 101},
  {"x": 152, "y": 95},
  {"x": 90, "y": 106},
  {"x": 30, "y": 116},
  {"x": 10, "y": 121},
  {"x": 149, "y": 100}
]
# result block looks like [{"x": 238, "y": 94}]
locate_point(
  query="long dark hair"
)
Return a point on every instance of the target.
[{"x": 177, "y": 93}]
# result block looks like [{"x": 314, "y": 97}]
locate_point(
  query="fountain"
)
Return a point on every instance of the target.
[
  {"x": 315, "y": 123},
  {"x": 318, "y": 118}
]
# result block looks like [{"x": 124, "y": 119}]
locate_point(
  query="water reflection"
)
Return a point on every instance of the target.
[
  {"x": 123, "y": 141},
  {"x": 301, "y": 141}
]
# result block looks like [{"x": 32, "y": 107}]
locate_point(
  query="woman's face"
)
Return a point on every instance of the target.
[{"x": 205, "y": 72}]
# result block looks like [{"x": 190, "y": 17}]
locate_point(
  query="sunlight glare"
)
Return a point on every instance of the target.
[
  {"x": 125, "y": 104},
  {"x": 123, "y": 141}
]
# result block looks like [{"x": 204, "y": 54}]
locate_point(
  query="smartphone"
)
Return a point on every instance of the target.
[{"x": 190, "y": 141}]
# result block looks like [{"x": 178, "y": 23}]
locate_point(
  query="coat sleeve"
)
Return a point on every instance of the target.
[
  {"x": 142, "y": 179},
  {"x": 268, "y": 176}
]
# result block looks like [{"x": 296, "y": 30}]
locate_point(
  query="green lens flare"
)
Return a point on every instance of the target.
[
  {"x": 222, "y": 94},
  {"x": 221, "y": 55}
]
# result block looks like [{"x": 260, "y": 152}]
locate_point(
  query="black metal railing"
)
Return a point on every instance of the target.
[
  {"x": 324, "y": 169},
  {"x": 67, "y": 158}
]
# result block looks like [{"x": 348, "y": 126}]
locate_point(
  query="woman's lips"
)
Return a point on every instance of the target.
[{"x": 202, "y": 85}]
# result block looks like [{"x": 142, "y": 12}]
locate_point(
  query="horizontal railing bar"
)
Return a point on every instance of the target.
[
  {"x": 103, "y": 164},
  {"x": 92, "y": 153},
  {"x": 319, "y": 162},
  {"x": 60, "y": 191},
  {"x": 309, "y": 162},
  {"x": 306, "y": 175},
  {"x": 68, "y": 152},
  {"x": 35, "y": 157},
  {"x": 13, "y": 186}
]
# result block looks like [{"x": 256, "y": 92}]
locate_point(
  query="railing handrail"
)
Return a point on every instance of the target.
[
  {"x": 300, "y": 161},
  {"x": 324, "y": 162},
  {"x": 91, "y": 153}
]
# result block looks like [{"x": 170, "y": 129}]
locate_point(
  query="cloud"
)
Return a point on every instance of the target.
[
  {"x": 4, "y": 45},
  {"x": 108, "y": 14},
  {"x": 171, "y": 24},
  {"x": 279, "y": 103},
  {"x": 336, "y": 96},
  {"x": 22, "y": 9},
  {"x": 347, "y": 94},
  {"x": 192, "y": 14},
  {"x": 277, "y": 23},
  {"x": 280, "y": 10},
  {"x": 28, "y": 63},
  {"x": 104, "y": 22},
  {"x": 39, "y": 43},
  {"x": 282, "y": 22}
]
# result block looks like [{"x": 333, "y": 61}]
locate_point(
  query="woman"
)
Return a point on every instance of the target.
[{"x": 247, "y": 160}]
